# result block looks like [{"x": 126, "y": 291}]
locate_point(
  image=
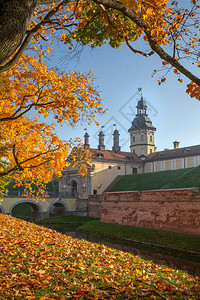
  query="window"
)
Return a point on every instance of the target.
[
  {"x": 142, "y": 151},
  {"x": 118, "y": 168},
  {"x": 142, "y": 138},
  {"x": 109, "y": 167},
  {"x": 94, "y": 192},
  {"x": 150, "y": 150},
  {"x": 151, "y": 138},
  {"x": 134, "y": 139}
]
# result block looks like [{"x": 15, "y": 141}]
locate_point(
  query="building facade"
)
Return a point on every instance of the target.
[{"x": 108, "y": 165}]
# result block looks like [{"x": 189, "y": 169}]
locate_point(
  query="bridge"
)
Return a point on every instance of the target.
[{"x": 40, "y": 209}]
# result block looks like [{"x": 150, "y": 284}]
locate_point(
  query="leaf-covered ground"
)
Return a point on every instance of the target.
[{"x": 38, "y": 263}]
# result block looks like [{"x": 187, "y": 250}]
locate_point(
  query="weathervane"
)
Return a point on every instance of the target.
[{"x": 140, "y": 90}]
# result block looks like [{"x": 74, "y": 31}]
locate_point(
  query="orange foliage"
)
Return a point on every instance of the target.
[
  {"x": 38, "y": 263},
  {"x": 34, "y": 151},
  {"x": 166, "y": 22},
  {"x": 193, "y": 90}
]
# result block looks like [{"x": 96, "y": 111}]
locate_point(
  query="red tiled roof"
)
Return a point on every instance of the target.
[
  {"x": 174, "y": 153},
  {"x": 111, "y": 155}
]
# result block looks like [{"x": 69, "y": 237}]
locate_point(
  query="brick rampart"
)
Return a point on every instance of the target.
[
  {"x": 173, "y": 210},
  {"x": 94, "y": 206}
]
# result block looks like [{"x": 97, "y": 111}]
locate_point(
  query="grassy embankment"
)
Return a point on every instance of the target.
[
  {"x": 159, "y": 237},
  {"x": 183, "y": 178},
  {"x": 38, "y": 263}
]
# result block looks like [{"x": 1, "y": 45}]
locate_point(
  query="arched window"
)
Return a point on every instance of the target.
[{"x": 74, "y": 188}]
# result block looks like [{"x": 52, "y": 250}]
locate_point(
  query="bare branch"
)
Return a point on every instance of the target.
[{"x": 138, "y": 51}]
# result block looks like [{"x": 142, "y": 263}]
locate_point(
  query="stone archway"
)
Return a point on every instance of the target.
[
  {"x": 74, "y": 188},
  {"x": 57, "y": 209},
  {"x": 2, "y": 211},
  {"x": 35, "y": 209}
]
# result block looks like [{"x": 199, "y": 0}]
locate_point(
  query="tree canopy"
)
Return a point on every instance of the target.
[
  {"x": 169, "y": 28},
  {"x": 30, "y": 90}
]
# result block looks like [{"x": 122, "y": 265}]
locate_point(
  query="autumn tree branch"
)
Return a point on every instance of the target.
[
  {"x": 17, "y": 114},
  {"x": 18, "y": 165},
  {"x": 132, "y": 15}
]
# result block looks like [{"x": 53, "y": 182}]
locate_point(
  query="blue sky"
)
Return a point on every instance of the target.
[{"x": 119, "y": 73}]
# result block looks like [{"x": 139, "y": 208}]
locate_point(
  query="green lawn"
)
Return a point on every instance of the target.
[
  {"x": 181, "y": 178},
  {"x": 153, "y": 236}
]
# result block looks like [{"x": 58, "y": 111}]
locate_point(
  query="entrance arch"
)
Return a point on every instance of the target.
[
  {"x": 2, "y": 211},
  {"x": 35, "y": 208},
  {"x": 134, "y": 171},
  {"x": 74, "y": 188},
  {"x": 57, "y": 208}
]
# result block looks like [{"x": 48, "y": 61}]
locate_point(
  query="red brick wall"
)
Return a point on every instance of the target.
[
  {"x": 94, "y": 206},
  {"x": 174, "y": 210}
]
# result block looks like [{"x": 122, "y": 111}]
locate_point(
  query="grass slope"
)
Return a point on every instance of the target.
[
  {"x": 159, "y": 180},
  {"x": 153, "y": 236},
  {"x": 42, "y": 264},
  {"x": 190, "y": 178}
]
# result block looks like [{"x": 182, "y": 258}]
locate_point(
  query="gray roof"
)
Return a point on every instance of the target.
[
  {"x": 141, "y": 122},
  {"x": 141, "y": 104},
  {"x": 174, "y": 153}
]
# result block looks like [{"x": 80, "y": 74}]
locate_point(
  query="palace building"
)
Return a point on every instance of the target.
[{"x": 108, "y": 165}]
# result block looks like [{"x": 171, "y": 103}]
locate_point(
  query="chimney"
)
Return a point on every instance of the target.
[
  {"x": 116, "y": 148},
  {"x": 86, "y": 138},
  {"x": 101, "y": 146},
  {"x": 176, "y": 144}
]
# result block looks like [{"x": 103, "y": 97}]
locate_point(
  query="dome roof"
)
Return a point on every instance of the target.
[
  {"x": 101, "y": 133},
  {"x": 116, "y": 131},
  {"x": 141, "y": 122},
  {"x": 141, "y": 104}
]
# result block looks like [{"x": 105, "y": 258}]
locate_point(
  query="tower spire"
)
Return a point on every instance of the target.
[
  {"x": 142, "y": 131},
  {"x": 101, "y": 145},
  {"x": 116, "y": 147},
  {"x": 86, "y": 139},
  {"x": 140, "y": 90}
]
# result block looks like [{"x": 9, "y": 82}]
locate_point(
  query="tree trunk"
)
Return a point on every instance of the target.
[{"x": 14, "y": 19}]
